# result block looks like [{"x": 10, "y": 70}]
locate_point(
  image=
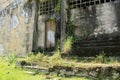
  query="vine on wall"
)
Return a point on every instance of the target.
[{"x": 58, "y": 6}]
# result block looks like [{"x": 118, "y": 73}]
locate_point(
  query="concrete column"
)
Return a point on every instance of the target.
[{"x": 63, "y": 22}]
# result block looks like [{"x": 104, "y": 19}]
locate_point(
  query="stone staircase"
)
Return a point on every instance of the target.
[
  {"x": 94, "y": 72},
  {"x": 95, "y": 47}
]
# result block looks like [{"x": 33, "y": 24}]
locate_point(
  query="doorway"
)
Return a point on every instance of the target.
[{"x": 50, "y": 29}]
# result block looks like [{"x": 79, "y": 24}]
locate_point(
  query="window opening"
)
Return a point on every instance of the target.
[
  {"x": 47, "y": 7},
  {"x": 84, "y": 3}
]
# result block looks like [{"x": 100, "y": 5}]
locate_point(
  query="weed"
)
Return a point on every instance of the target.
[
  {"x": 35, "y": 58},
  {"x": 67, "y": 45},
  {"x": 12, "y": 73},
  {"x": 11, "y": 58},
  {"x": 101, "y": 58},
  {"x": 56, "y": 55}
]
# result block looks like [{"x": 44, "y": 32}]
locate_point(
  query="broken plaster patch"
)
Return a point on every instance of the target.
[
  {"x": 1, "y": 48},
  {"x": 2, "y": 21},
  {"x": 13, "y": 22},
  {"x": 26, "y": 13},
  {"x": 106, "y": 19}
]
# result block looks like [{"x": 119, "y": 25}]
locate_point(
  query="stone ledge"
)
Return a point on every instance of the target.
[{"x": 101, "y": 72}]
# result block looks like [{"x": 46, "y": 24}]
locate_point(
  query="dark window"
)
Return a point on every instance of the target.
[
  {"x": 84, "y": 3},
  {"x": 47, "y": 7}
]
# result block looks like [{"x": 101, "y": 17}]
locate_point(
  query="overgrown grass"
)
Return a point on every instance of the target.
[
  {"x": 11, "y": 72},
  {"x": 57, "y": 60},
  {"x": 67, "y": 45}
]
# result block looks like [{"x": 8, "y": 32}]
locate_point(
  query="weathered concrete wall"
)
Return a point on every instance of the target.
[
  {"x": 16, "y": 28},
  {"x": 4, "y": 3},
  {"x": 98, "y": 28},
  {"x": 97, "y": 20}
]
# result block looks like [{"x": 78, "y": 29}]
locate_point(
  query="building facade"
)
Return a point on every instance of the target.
[{"x": 38, "y": 25}]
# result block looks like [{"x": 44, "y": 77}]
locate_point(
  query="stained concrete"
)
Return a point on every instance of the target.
[
  {"x": 96, "y": 20},
  {"x": 16, "y": 27}
]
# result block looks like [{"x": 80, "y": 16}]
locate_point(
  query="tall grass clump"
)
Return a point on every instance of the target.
[
  {"x": 56, "y": 55},
  {"x": 10, "y": 58},
  {"x": 67, "y": 46},
  {"x": 35, "y": 57},
  {"x": 101, "y": 58},
  {"x": 56, "y": 59}
]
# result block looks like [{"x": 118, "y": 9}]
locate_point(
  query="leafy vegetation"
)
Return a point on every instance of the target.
[
  {"x": 11, "y": 72},
  {"x": 11, "y": 58},
  {"x": 57, "y": 60},
  {"x": 67, "y": 44},
  {"x": 58, "y": 6}
]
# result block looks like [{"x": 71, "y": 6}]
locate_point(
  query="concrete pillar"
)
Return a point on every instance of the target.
[{"x": 63, "y": 22}]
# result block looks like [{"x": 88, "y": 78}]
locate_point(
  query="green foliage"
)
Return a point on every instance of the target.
[
  {"x": 69, "y": 26},
  {"x": 101, "y": 57},
  {"x": 9, "y": 72},
  {"x": 58, "y": 6},
  {"x": 58, "y": 44},
  {"x": 56, "y": 59},
  {"x": 76, "y": 39},
  {"x": 67, "y": 46},
  {"x": 11, "y": 58},
  {"x": 56, "y": 55},
  {"x": 34, "y": 58}
]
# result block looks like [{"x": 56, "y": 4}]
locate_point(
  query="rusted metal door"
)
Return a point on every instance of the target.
[{"x": 50, "y": 34}]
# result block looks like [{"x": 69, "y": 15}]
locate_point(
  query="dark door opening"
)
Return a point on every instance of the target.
[{"x": 50, "y": 35}]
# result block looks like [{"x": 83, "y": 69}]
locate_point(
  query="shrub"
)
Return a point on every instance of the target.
[{"x": 67, "y": 45}]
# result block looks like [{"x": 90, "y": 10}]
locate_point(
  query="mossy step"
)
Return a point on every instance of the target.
[
  {"x": 93, "y": 71},
  {"x": 35, "y": 67}
]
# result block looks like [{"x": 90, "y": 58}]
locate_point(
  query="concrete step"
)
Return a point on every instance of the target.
[
  {"x": 95, "y": 47},
  {"x": 100, "y": 44}
]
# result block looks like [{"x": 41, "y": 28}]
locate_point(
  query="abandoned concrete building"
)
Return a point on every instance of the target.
[{"x": 36, "y": 25}]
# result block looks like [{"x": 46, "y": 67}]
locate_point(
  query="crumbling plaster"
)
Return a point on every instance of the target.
[{"x": 16, "y": 28}]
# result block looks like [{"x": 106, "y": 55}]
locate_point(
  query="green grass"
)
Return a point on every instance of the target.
[
  {"x": 57, "y": 60},
  {"x": 8, "y": 71}
]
